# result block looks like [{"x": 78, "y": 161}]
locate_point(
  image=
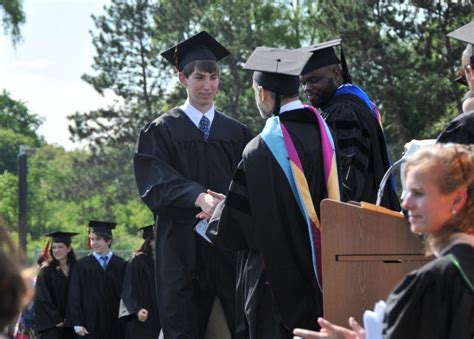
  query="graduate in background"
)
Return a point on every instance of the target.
[
  {"x": 271, "y": 211},
  {"x": 52, "y": 284},
  {"x": 356, "y": 123},
  {"x": 461, "y": 129},
  {"x": 95, "y": 287},
  {"x": 180, "y": 155},
  {"x": 138, "y": 304},
  {"x": 437, "y": 300}
]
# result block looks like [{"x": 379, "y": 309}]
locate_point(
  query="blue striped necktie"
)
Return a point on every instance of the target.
[
  {"x": 204, "y": 126},
  {"x": 104, "y": 262}
]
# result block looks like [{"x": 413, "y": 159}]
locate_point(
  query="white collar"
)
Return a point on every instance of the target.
[
  {"x": 195, "y": 115},
  {"x": 98, "y": 256},
  {"x": 297, "y": 104}
]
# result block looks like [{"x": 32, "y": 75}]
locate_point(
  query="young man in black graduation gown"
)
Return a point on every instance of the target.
[
  {"x": 51, "y": 288},
  {"x": 95, "y": 287},
  {"x": 260, "y": 216},
  {"x": 461, "y": 129},
  {"x": 180, "y": 155},
  {"x": 138, "y": 306},
  {"x": 355, "y": 120}
]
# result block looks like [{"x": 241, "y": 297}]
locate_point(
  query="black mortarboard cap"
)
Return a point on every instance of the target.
[
  {"x": 147, "y": 231},
  {"x": 277, "y": 69},
  {"x": 60, "y": 236},
  {"x": 102, "y": 227},
  {"x": 201, "y": 46},
  {"x": 465, "y": 34},
  {"x": 323, "y": 54}
]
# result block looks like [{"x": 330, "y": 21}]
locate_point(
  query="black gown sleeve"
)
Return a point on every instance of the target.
[
  {"x": 47, "y": 314},
  {"x": 159, "y": 184},
  {"x": 232, "y": 215},
  {"x": 129, "y": 304},
  {"x": 460, "y": 130},
  {"x": 354, "y": 148},
  {"x": 74, "y": 310}
]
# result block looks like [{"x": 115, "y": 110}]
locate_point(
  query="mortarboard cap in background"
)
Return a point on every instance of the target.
[
  {"x": 323, "y": 54},
  {"x": 277, "y": 69},
  {"x": 464, "y": 34},
  {"x": 60, "y": 236},
  {"x": 201, "y": 46},
  {"x": 147, "y": 231},
  {"x": 101, "y": 227}
]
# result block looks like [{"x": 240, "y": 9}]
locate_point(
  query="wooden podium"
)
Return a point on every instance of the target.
[{"x": 365, "y": 254}]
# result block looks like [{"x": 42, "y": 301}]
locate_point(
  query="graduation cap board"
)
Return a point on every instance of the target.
[
  {"x": 323, "y": 54},
  {"x": 62, "y": 237},
  {"x": 277, "y": 69},
  {"x": 201, "y": 46},
  {"x": 101, "y": 227},
  {"x": 147, "y": 231},
  {"x": 465, "y": 34}
]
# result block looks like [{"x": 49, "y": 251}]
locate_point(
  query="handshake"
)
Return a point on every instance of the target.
[{"x": 207, "y": 202}]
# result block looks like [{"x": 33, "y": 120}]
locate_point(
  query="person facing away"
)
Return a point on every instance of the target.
[
  {"x": 270, "y": 214},
  {"x": 180, "y": 155},
  {"x": 461, "y": 129},
  {"x": 52, "y": 285},
  {"x": 138, "y": 305},
  {"x": 356, "y": 123},
  {"x": 437, "y": 300},
  {"x": 95, "y": 285}
]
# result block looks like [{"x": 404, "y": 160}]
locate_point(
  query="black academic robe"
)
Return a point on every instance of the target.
[
  {"x": 460, "y": 130},
  {"x": 94, "y": 297},
  {"x": 436, "y": 301},
  {"x": 138, "y": 291},
  {"x": 50, "y": 304},
  {"x": 173, "y": 165},
  {"x": 277, "y": 289},
  {"x": 363, "y": 157}
]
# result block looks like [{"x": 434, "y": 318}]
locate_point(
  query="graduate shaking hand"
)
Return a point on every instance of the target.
[
  {"x": 142, "y": 315},
  {"x": 331, "y": 331},
  {"x": 208, "y": 202},
  {"x": 80, "y": 330}
]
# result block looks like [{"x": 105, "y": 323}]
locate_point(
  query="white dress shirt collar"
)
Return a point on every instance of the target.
[
  {"x": 297, "y": 104},
  {"x": 195, "y": 115}
]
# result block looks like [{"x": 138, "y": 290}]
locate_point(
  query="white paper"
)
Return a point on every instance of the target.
[
  {"x": 201, "y": 228},
  {"x": 373, "y": 321}
]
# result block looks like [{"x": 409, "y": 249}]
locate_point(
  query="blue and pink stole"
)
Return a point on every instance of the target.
[
  {"x": 276, "y": 137},
  {"x": 358, "y": 92}
]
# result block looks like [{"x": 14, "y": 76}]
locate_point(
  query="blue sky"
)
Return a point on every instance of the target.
[{"x": 44, "y": 70}]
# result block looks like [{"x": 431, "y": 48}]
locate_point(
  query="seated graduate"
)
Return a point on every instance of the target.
[
  {"x": 138, "y": 306},
  {"x": 461, "y": 129},
  {"x": 270, "y": 214},
  {"x": 95, "y": 287},
  {"x": 437, "y": 300},
  {"x": 52, "y": 287}
]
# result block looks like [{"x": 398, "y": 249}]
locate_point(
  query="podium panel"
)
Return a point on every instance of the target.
[{"x": 365, "y": 254}]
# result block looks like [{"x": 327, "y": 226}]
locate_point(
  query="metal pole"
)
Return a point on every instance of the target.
[{"x": 22, "y": 198}]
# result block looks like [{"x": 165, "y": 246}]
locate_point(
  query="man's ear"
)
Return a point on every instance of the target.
[
  {"x": 262, "y": 93},
  {"x": 338, "y": 77},
  {"x": 182, "y": 79}
]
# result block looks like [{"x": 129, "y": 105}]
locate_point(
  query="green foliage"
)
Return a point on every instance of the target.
[
  {"x": 13, "y": 17},
  {"x": 14, "y": 115}
]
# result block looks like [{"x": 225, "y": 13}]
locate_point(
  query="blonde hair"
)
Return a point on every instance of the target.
[{"x": 452, "y": 167}]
